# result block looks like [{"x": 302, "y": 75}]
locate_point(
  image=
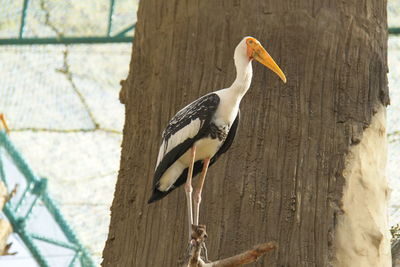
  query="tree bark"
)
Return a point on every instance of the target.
[
  {"x": 283, "y": 178},
  {"x": 396, "y": 253}
]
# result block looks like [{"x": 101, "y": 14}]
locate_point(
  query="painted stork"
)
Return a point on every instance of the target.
[{"x": 203, "y": 130}]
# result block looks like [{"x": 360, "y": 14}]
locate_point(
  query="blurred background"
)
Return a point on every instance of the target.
[
  {"x": 61, "y": 104},
  {"x": 60, "y": 67}
]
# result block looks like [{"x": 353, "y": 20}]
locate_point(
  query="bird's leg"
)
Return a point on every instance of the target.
[
  {"x": 199, "y": 189},
  {"x": 189, "y": 189},
  {"x": 197, "y": 199},
  {"x": 203, "y": 246}
]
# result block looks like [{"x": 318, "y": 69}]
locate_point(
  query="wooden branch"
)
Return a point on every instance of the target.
[
  {"x": 3, "y": 195},
  {"x": 246, "y": 257},
  {"x": 5, "y": 226},
  {"x": 198, "y": 237},
  {"x": 3, "y": 121},
  {"x": 5, "y": 231}
]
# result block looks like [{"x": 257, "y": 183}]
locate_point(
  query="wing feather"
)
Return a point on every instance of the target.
[
  {"x": 188, "y": 131},
  {"x": 185, "y": 128},
  {"x": 198, "y": 166}
]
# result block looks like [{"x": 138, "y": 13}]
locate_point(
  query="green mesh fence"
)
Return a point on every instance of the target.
[{"x": 61, "y": 104}]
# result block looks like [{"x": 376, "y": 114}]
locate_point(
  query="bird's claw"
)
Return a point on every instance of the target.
[
  {"x": 203, "y": 251},
  {"x": 197, "y": 242}
]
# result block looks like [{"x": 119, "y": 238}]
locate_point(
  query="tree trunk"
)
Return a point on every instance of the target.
[
  {"x": 396, "y": 253},
  {"x": 284, "y": 176}
]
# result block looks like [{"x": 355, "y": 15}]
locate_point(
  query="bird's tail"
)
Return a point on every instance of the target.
[{"x": 157, "y": 195}]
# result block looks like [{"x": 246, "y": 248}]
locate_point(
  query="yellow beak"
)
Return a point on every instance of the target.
[{"x": 262, "y": 56}]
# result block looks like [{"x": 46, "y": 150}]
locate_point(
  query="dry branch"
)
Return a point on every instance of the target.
[
  {"x": 4, "y": 123},
  {"x": 3, "y": 195},
  {"x": 5, "y": 226},
  {"x": 5, "y": 231},
  {"x": 198, "y": 237}
]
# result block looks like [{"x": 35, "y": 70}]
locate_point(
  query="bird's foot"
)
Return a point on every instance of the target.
[
  {"x": 203, "y": 250},
  {"x": 197, "y": 247}
]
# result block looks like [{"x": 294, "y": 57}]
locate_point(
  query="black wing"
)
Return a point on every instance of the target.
[
  {"x": 173, "y": 146},
  {"x": 198, "y": 165}
]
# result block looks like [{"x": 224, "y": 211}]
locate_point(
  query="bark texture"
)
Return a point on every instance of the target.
[
  {"x": 282, "y": 179},
  {"x": 396, "y": 254}
]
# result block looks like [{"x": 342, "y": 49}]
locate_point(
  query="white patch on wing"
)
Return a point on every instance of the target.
[
  {"x": 206, "y": 147},
  {"x": 170, "y": 176},
  {"x": 189, "y": 131}
]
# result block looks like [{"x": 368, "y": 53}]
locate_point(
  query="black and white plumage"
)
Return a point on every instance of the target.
[
  {"x": 188, "y": 126},
  {"x": 209, "y": 124}
]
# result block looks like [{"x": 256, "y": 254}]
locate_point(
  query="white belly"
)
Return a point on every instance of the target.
[{"x": 205, "y": 148}]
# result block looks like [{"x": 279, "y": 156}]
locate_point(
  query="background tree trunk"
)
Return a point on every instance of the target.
[
  {"x": 396, "y": 253},
  {"x": 283, "y": 177}
]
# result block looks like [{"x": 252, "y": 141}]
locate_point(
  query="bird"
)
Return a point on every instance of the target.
[{"x": 204, "y": 130}]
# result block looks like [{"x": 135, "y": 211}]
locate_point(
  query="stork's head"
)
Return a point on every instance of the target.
[{"x": 250, "y": 48}]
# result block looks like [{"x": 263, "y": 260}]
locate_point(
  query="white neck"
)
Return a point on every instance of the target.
[{"x": 244, "y": 73}]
